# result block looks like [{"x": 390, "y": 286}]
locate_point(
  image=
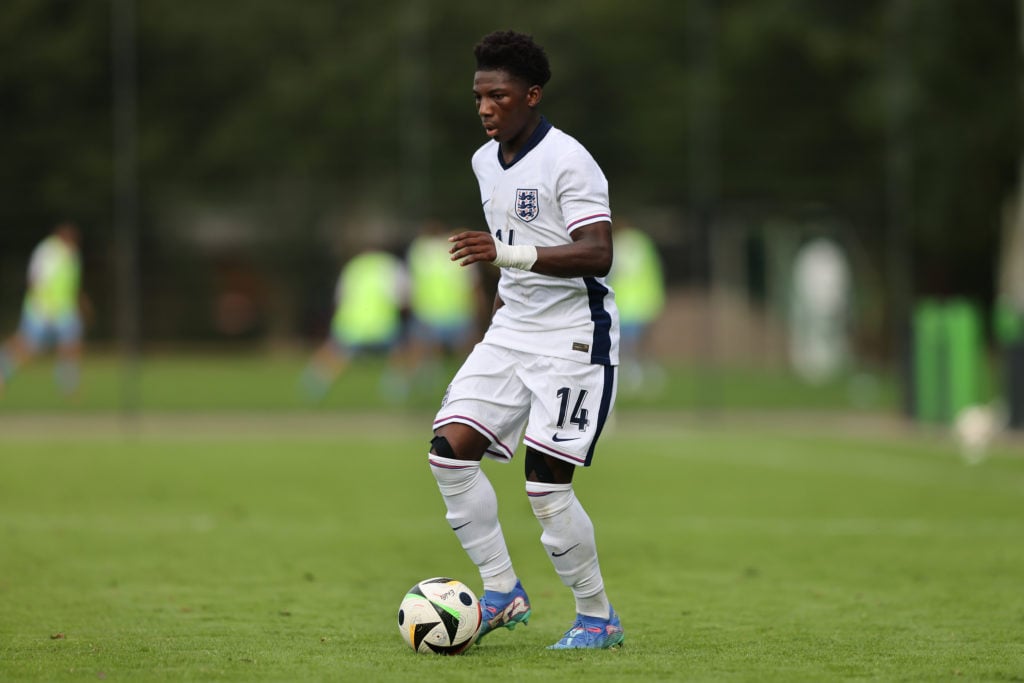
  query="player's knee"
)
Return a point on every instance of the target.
[
  {"x": 440, "y": 446},
  {"x": 459, "y": 442},
  {"x": 547, "y": 469}
]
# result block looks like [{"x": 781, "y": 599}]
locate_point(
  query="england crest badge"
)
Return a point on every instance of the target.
[{"x": 527, "y": 204}]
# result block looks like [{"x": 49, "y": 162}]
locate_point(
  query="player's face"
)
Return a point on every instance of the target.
[{"x": 505, "y": 105}]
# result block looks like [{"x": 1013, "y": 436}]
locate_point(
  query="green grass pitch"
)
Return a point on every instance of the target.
[
  {"x": 263, "y": 382},
  {"x": 277, "y": 547}
]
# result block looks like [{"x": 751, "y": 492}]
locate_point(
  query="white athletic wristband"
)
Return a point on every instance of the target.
[{"x": 522, "y": 257}]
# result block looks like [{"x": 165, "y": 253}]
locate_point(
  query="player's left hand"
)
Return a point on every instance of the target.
[{"x": 472, "y": 246}]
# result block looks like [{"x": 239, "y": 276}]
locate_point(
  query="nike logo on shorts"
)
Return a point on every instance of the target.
[{"x": 558, "y": 439}]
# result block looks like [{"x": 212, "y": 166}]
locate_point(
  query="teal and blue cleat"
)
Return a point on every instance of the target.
[
  {"x": 592, "y": 633},
  {"x": 503, "y": 610}
]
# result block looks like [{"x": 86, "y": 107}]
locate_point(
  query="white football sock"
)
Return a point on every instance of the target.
[
  {"x": 568, "y": 536},
  {"x": 473, "y": 515}
]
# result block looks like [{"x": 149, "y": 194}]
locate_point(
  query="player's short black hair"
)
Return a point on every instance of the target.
[{"x": 515, "y": 53}]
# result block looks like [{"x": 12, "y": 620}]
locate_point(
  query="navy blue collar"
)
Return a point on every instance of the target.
[{"x": 538, "y": 134}]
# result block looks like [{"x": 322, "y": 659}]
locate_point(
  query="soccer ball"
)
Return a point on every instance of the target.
[{"x": 439, "y": 615}]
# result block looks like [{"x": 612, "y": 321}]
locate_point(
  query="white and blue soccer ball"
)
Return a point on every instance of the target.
[{"x": 440, "y": 616}]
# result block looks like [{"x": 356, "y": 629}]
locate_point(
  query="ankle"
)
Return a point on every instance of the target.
[{"x": 503, "y": 582}]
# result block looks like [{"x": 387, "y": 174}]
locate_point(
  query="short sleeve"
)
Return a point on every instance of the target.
[{"x": 582, "y": 191}]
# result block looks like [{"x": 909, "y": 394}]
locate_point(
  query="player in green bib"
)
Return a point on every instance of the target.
[
  {"x": 639, "y": 284},
  {"x": 443, "y": 302},
  {"x": 51, "y": 312},
  {"x": 369, "y": 297}
]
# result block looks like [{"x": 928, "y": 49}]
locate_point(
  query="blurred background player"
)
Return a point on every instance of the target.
[
  {"x": 639, "y": 285},
  {"x": 370, "y": 300},
  {"x": 443, "y": 304},
  {"x": 52, "y": 310},
  {"x": 819, "y": 311}
]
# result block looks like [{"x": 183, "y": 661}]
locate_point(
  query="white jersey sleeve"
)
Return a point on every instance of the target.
[{"x": 583, "y": 191}]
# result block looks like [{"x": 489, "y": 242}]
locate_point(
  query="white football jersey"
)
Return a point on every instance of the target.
[{"x": 551, "y": 188}]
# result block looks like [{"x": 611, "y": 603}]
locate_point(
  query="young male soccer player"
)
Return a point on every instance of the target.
[{"x": 547, "y": 362}]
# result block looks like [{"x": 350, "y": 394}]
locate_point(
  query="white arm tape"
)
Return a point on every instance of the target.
[{"x": 522, "y": 257}]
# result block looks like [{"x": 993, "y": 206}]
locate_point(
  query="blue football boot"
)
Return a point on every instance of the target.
[
  {"x": 592, "y": 633},
  {"x": 503, "y": 609}
]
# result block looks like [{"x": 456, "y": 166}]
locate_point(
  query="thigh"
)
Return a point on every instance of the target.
[
  {"x": 487, "y": 395},
  {"x": 571, "y": 404},
  {"x": 34, "y": 330},
  {"x": 68, "y": 330}
]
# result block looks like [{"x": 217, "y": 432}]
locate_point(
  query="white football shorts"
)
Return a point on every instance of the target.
[{"x": 563, "y": 405}]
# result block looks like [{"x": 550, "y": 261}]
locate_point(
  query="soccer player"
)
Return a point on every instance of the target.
[
  {"x": 639, "y": 287},
  {"x": 547, "y": 362},
  {"x": 51, "y": 314},
  {"x": 443, "y": 302},
  {"x": 369, "y": 297}
]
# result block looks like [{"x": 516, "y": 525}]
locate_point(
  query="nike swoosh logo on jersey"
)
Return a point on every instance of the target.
[
  {"x": 558, "y": 439},
  {"x": 554, "y": 554}
]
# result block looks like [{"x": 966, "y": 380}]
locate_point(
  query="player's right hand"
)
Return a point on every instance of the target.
[{"x": 472, "y": 246}]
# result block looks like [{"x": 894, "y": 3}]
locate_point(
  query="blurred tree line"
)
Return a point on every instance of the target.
[{"x": 275, "y": 138}]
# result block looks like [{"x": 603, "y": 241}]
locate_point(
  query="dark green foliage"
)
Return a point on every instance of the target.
[{"x": 283, "y": 117}]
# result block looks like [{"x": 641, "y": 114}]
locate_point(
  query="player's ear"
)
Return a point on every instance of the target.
[{"x": 533, "y": 95}]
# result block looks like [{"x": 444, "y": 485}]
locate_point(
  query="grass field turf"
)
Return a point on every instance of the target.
[
  {"x": 259, "y": 547},
  {"x": 216, "y": 382}
]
